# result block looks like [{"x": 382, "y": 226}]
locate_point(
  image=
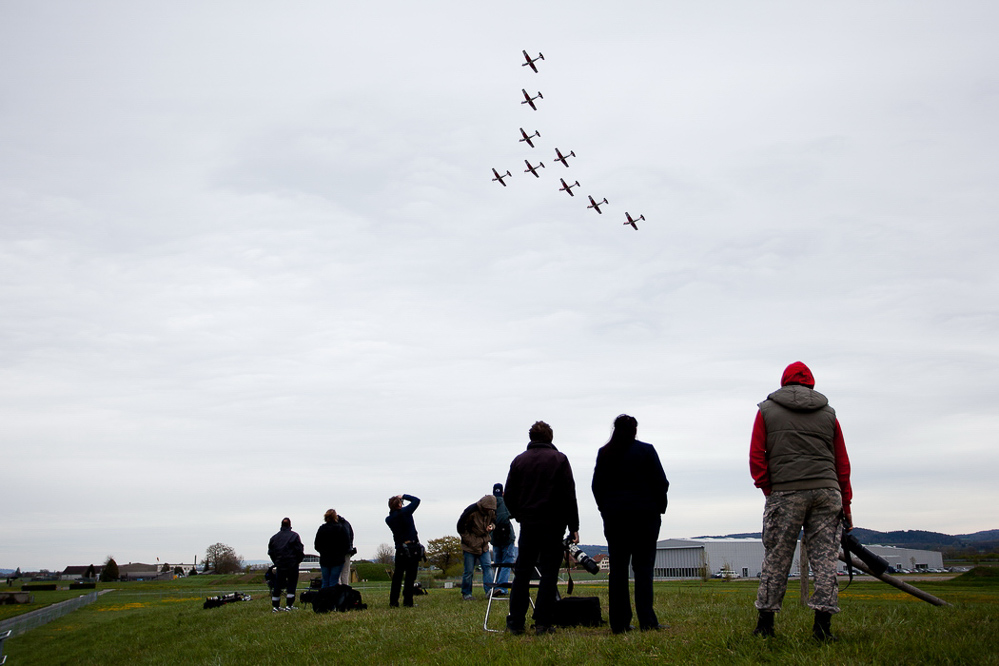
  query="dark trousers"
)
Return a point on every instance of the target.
[
  {"x": 405, "y": 566},
  {"x": 541, "y": 546},
  {"x": 631, "y": 539},
  {"x": 285, "y": 578}
]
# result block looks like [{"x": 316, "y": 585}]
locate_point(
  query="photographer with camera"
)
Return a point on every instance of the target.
[
  {"x": 630, "y": 486},
  {"x": 475, "y": 526},
  {"x": 541, "y": 496},
  {"x": 798, "y": 458},
  {"x": 408, "y": 549}
]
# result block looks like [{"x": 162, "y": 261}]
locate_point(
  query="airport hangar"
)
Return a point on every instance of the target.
[{"x": 696, "y": 558}]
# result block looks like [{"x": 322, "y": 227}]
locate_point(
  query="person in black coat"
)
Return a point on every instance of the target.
[
  {"x": 333, "y": 544},
  {"x": 630, "y": 488},
  {"x": 541, "y": 496}
]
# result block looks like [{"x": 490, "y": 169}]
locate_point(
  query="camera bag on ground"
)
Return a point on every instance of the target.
[
  {"x": 340, "y": 598},
  {"x": 578, "y": 611}
]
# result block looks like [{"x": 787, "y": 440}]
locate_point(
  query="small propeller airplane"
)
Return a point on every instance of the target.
[
  {"x": 528, "y": 138},
  {"x": 559, "y": 157},
  {"x": 530, "y": 61},
  {"x": 500, "y": 178},
  {"x": 633, "y": 221},
  {"x": 534, "y": 169},
  {"x": 530, "y": 100},
  {"x": 568, "y": 188},
  {"x": 596, "y": 205}
]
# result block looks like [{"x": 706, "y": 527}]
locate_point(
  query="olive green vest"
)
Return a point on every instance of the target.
[{"x": 801, "y": 427}]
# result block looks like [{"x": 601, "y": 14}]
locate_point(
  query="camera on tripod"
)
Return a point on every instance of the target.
[{"x": 581, "y": 557}]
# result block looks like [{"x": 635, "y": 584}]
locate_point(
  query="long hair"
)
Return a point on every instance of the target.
[{"x": 625, "y": 429}]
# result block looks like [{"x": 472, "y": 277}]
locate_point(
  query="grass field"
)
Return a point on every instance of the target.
[{"x": 709, "y": 622}]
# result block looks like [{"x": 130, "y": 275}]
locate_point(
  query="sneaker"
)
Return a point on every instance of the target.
[
  {"x": 291, "y": 608},
  {"x": 275, "y": 609},
  {"x": 467, "y": 597}
]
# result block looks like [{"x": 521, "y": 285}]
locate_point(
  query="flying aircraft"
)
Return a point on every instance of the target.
[
  {"x": 500, "y": 178},
  {"x": 596, "y": 205},
  {"x": 632, "y": 221},
  {"x": 530, "y": 100},
  {"x": 530, "y": 62},
  {"x": 559, "y": 157},
  {"x": 528, "y": 138},
  {"x": 567, "y": 187},
  {"x": 533, "y": 169}
]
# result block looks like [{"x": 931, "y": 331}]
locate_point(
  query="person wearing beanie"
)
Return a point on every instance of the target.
[
  {"x": 797, "y": 457},
  {"x": 504, "y": 542},
  {"x": 286, "y": 552}
]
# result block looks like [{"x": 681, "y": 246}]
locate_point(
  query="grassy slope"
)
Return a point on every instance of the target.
[{"x": 160, "y": 623}]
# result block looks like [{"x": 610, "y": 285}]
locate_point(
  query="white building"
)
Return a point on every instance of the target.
[{"x": 743, "y": 558}]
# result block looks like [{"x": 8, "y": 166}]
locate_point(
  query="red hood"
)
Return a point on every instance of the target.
[{"x": 798, "y": 373}]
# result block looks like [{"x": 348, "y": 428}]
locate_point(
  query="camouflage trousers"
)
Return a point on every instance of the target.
[{"x": 818, "y": 512}]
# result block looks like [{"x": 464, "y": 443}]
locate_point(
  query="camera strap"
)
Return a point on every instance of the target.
[{"x": 568, "y": 573}]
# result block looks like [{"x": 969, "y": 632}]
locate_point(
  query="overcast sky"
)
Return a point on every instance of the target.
[{"x": 253, "y": 264}]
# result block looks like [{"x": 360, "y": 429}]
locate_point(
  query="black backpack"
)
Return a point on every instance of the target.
[
  {"x": 578, "y": 611},
  {"x": 338, "y": 598}
]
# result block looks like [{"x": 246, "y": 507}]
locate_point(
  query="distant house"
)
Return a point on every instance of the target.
[
  {"x": 139, "y": 571},
  {"x": 78, "y": 573},
  {"x": 310, "y": 563},
  {"x": 603, "y": 560}
]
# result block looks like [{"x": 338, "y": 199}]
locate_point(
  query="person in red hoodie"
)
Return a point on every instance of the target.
[{"x": 798, "y": 458}]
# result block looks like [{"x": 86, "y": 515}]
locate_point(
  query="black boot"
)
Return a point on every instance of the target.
[
  {"x": 821, "y": 630},
  {"x": 765, "y": 624}
]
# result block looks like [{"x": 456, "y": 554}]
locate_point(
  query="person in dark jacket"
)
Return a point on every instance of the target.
[
  {"x": 408, "y": 550},
  {"x": 333, "y": 544},
  {"x": 351, "y": 550},
  {"x": 630, "y": 486},
  {"x": 797, "y": 457},
  {"x": 541, "y": 496},
  {"x": 286, "y": 552},
  {"x": 504, "y": 542}
]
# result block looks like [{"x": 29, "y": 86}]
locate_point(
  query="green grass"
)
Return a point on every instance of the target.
[{"x": 710, "y": 622}]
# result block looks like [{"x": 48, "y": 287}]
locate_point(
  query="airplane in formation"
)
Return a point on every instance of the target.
[
  {"x": 568, "y": 188},
  {"x": 528, "y": 138},
  {"x": 632, "y": 221},
  {"x": 595, "y": 205},
  {"x": 534, "y": 169},
  {"x": 530, "y": 61},
  {"x": 500, "y": 178},
  {"x": 559, "y": 157},
  {"x": 530, "y": 100}
]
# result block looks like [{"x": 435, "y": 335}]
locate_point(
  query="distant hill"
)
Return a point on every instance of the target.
[{"x": 986, "y": 540}]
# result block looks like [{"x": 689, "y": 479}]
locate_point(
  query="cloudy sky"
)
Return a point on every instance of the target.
[{"x": 253, "y": 264}]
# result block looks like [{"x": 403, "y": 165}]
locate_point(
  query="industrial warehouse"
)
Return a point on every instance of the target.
[{"x": 743, "y": 558}]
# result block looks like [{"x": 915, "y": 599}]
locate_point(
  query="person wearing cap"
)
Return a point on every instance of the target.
[
  {"x": 504, "y": 542},
  {"x": 630, "y": 487},
  {"x": 286, "y": 552},
  {"x": 797, "y": 457},
  {"x": 541, "y": 496},
  {"x": 475, "y": 526}
]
